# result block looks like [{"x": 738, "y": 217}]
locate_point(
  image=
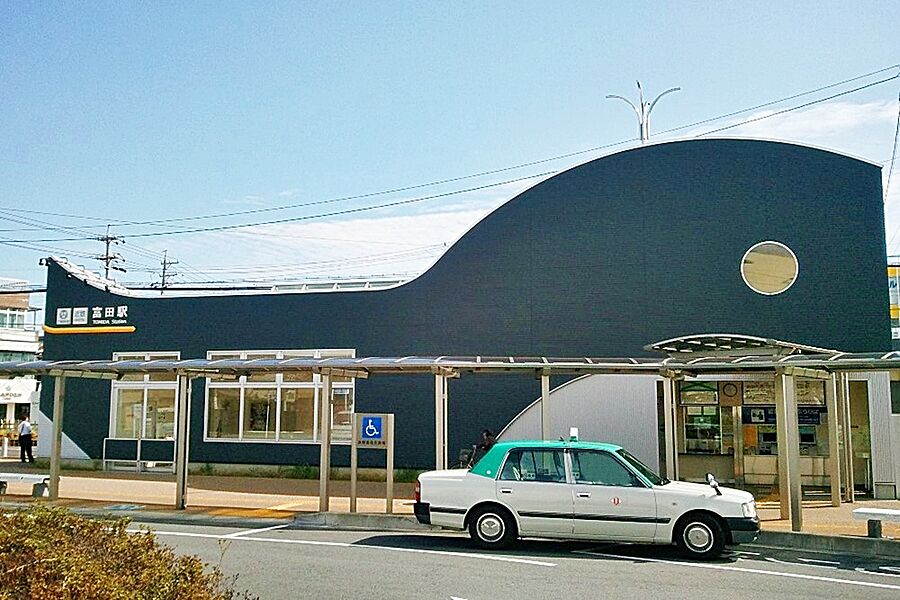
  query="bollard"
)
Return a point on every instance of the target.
[{"x": 874, "y": 528}]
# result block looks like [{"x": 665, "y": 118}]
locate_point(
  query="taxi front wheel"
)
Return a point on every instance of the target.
[
  {"x": 700, "y": 536},
  {"x": 492, "y": 527}
]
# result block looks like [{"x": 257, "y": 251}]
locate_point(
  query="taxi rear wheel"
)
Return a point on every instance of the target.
[
  {"x": 700, "y": 536},
  {"x": 492, "y": 527}
]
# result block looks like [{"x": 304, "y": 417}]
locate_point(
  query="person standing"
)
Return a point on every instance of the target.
[{"x": 25, "y": 439}]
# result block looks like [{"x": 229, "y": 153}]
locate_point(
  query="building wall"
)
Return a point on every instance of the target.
[
  {"x": 617, "y": 409},
  {"x": 599, "y": 260}
]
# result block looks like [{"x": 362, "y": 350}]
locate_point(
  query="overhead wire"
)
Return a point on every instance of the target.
[
  {"x": 887, "y": 186},
  {"x": 149, "y": 253},
  {"x": 806, "y": 105}
]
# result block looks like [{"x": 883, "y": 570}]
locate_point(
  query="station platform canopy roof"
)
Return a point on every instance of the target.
[
  {"x": 732, "y": 345},
  {"x": 687, "y": 364}
]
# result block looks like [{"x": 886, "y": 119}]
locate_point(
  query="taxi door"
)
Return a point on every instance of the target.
[
  {"x": 533, "y": 483},
  {"x": 610, "y": 502}
]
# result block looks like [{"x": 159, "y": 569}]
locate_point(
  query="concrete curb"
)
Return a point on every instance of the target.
[
  {"x": 360, "y": 521},
  {"x": 831, "y": 544},
  {"x": 141, "y": 516}
]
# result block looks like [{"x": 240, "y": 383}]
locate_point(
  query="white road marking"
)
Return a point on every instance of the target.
[
  {"x": 820, "y": 562},
  {"x": 743, "y": 570},
  {"x": 862, "y": 570},
  {"x": 743, "y": 552},
  {"x": 249, "y": 531},
  {"x": 788, "y": 562},
  {"x": 524, "y": 561}
]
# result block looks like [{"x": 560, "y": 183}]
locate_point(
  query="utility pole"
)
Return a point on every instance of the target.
[
  {"x": 109, "y": 259},
  {"x": 643, "y": 111},
  {"x": 166, "y": 263}
]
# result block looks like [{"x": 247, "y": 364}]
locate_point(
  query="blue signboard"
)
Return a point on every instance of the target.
[{"x": 371, "y": 429}]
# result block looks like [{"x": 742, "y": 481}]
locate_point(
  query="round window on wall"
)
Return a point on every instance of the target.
[{"x": 769, "y": 268}]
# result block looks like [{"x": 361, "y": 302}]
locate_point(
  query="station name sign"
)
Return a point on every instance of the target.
[{"x": 91, "y": 319}]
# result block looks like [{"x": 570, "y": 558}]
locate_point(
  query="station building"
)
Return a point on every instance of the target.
[
  {"x": 768, "y": 239},
  {"x": 19, "y": 340}
]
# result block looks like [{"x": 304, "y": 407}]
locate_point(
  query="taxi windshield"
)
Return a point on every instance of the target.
[{"x": 641, "y": 468}]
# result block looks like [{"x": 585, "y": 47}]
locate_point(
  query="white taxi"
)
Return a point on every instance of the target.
[{"x": 582, "y": 490}]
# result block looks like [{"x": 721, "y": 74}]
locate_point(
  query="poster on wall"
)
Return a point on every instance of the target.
[
  {"x": 810, "y": 392},
  {"x": 759, "y": 392}
]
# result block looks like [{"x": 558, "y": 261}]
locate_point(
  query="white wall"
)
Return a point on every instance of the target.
[
  {"x": 884, "y": 441},
  {"x": 620, "y": 409},
  {"x": 45, "y": 435},
  {"x": 895, "y": 435}
]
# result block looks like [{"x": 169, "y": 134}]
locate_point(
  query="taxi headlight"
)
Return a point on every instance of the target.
[{"x": 749, "y": 509}]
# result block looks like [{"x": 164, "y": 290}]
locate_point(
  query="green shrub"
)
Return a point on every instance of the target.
[
  {"x": 48, "y": 552},
  {"x": 406, "y": 475},
  {"x": 303, "y": 472}
]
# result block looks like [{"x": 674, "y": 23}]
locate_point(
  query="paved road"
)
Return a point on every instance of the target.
[{"x": 281, "y": 562}]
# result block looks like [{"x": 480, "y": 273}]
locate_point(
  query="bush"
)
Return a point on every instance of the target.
[
  {"x": 406, "y": 475},
  {"x": 48, "y": 552},
  {"x": 303, "y": 472}
]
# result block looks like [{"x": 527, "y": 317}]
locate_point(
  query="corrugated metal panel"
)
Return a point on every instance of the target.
[
  {"x": 619, "y": 409},
  {"x": 880, "y": 430}
]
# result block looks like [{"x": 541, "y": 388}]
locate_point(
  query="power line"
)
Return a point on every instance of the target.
[
  {"x": 780, "y": 100},
  {"x": 887, "y": 186},
  {"x": 808, "y": 104},
  {"x": 316, "y": 216},
  {"x": 498, "y": 170},
  {"x": 423, "y": 198},
  {"x": 110, "y": 260}
]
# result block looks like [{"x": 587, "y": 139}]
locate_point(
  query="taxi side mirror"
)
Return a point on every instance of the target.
[{"x": 711, "y": 480}]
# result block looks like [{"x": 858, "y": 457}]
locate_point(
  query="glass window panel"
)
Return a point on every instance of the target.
[
  {"x": 160, "y": 420},
  {"x": 297, "y": 413},
  {"x": 129, "y": 413},
  {"x": 261, "y": 376},
  {"x": 600, "y": 468},
  {"x": 699, "y": 393},
  {"x": 2, "y": 319},
  {"x": 298, "y": 376},
  {"x": 163, "y": 377},
  {"x": 535, "y": 465},
  {"x": 337, "y": 354},
  {"x": 259, "y": 413},
  {"x": 702, "y": 432},
  {"x": 759, "y": 392},
  {"x": 224, "y": 413},
  {"x": 810, "y": 391},
  {"x": 769, "y": 268},
  {"x": 341, "y": 413}
]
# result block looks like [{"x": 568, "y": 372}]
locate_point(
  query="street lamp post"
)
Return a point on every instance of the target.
[{"x": 643, "y": 112}]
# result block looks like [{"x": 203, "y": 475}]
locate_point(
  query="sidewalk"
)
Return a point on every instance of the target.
[{"x": 245, "y": 501}]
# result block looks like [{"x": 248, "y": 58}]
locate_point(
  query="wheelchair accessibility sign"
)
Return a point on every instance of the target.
[{"x": 371, "y": 429}]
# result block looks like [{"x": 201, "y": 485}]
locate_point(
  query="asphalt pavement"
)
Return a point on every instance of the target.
[
  {"x": 282, "y": 561},
  {"x": 266, "y": 501}
]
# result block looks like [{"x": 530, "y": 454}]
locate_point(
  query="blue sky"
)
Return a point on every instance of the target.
[{"x": 126, "y": 111}]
